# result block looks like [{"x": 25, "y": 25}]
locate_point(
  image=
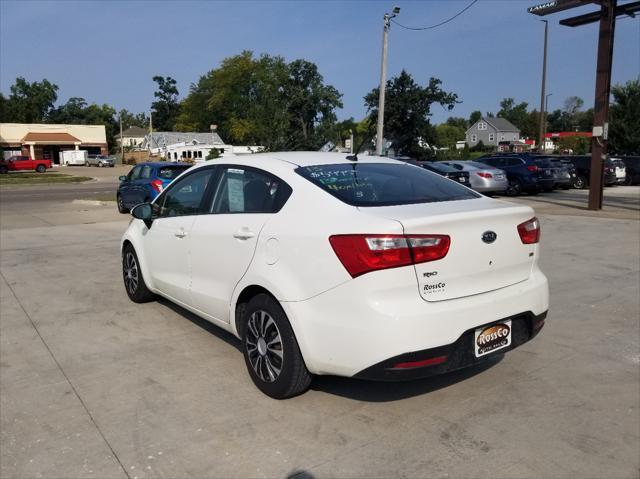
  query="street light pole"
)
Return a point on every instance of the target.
[
  {"x": 546, "y": 112},
  {"x": 542, "y": 95},
  {"x": 383, "y": 78}
]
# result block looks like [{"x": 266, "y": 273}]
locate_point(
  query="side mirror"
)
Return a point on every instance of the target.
[
  {"x": 122, "y": 178},
  {"x": 143, "y": 212}
]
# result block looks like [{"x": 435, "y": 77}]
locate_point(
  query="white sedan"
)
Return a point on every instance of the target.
[{"x": 323, "y": 263}]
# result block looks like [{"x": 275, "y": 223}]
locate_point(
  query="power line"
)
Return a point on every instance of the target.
[{"x": 438, "y": 24}]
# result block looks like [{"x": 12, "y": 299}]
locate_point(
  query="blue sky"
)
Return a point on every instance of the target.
[{"x": 107, "y": 52}]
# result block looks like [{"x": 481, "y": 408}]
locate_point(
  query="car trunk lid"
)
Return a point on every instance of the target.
[{"x": 486, "y": 252}]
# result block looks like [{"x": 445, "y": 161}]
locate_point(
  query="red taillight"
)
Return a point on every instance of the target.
[
  {"x": 532, "y": 168},
  {"x": 361, "y": 254},
  {"x": 420, "y": 364},
  {"x": 485, "y": 175},
  {"x": 529, "y": 231},
  {"x": 157, "y": 185}
]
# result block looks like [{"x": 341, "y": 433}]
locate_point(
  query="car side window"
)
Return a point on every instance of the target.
[
  {"x": 135, "y": 173},
  {"x": 514, "y": 162},
  {"x": 497, "y": 162},
  {"x": 185, "y": 197},
  {"x": 145, "y": 173},
  {"x": 243, "y": 190}
]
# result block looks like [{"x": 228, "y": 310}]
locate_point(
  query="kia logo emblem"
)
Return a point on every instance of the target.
[{"x": 489, "y": 236}]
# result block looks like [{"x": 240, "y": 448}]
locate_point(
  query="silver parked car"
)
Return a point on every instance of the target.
[
  {"x": 483, "y": 178},
  {"x": 99, "y": 160}
]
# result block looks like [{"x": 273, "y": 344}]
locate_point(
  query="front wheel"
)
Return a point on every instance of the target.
[
  {"x": 3, "y": 170},
  {"x": 121, "y": 208},
  {"x": 271, "y": 351},
  {"x": 133, "y": 279},
  {"x": 41, "y": 168}
]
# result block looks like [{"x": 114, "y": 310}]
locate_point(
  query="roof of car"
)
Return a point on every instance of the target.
[
  {"x": 164, "y": 163},
  {"x": 296, "y": 158}
]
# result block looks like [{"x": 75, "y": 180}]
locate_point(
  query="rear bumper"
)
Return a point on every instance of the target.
[
  {"x": 366, "y": 321},
  {"x": 451, "y": 357}
]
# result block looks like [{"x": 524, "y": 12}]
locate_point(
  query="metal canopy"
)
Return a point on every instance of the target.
[{"x": 627, "y": 9}]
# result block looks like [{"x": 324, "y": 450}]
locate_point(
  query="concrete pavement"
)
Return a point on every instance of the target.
[{"x": 93, "y": 385}]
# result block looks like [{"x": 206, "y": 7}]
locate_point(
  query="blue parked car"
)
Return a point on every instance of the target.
[
  {"x": 145, "y": 182},
  {"x": 526, "y": 174}
]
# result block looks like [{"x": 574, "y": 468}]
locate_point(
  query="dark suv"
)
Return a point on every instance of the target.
[
  {"x": 523, "y": 172},
  {"x": 582, "y": 164}
]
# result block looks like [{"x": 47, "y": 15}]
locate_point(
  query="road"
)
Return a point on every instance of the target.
[
  {"x": 95, "y": 386},
  {"x": 32, "y": 195}
]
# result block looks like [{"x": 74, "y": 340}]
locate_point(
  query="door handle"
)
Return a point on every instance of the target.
[
  {"x": 243, "y": 234},
  {"x": 180, "y": 233}
]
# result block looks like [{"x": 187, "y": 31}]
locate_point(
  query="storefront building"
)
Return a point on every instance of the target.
[{"x": 46, "y": 141}]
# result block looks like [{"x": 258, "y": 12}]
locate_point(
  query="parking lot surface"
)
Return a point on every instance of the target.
[{"x": 93, "y": 385}]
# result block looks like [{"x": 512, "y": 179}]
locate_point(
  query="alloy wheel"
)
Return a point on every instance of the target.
[
  {"x": 264, "y": 346},
  {"x": 130, "y": 272}
]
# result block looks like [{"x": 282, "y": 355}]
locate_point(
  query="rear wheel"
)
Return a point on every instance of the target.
[
  {"x": 41, "y": 168},
  {"x": 133, "y": 280},
  {"x": 3, "y": 170},
  {"x": 580, "y": 182},
  {"x": 271, "y": 351},
  {"x": 515, "y": 187}
]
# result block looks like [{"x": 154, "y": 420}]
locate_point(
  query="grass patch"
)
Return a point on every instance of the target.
[{"x": 40, "y": 178}]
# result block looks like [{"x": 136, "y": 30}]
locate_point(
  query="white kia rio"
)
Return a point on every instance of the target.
[{"x": 323, "y": 263}]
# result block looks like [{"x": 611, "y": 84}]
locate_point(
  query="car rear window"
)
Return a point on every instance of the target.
[
  {"x": 384, "y": 184},
  {"x": 441, "y": 167},
  {"x": 170, "y": 172}
]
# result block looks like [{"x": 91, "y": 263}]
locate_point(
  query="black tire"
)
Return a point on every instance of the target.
[
  {"x": 580, "y": 182},
  {"x": 515, "y": 187},
  {"x": 278, "y": 371},
  {"x": 133, "y": 279},
  {"x": 121, "y": 208},
  {"x": 41, "y": 168},
  {"x": 3, "y": 170}
]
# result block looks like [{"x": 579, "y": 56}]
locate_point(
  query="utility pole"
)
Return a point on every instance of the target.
[
  {"x": 546, "y": 113},
  {"x": 601, "y": 107},
  {"x": 121, "y": 141},
  {"x": 150, "y": 131},
  {"x": 383, "y": 78},
  {"x": 542, "y": 88},
  {"x": 606, "y": 16},
  {"x": 350, "y": 141}
]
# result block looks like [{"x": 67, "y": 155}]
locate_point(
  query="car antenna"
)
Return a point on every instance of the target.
[{"x": 355, "y": 156}]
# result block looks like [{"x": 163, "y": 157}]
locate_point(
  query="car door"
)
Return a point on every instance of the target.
[
  {"x": 166, "y": 243},
  {"x": 223, "y": 242},
  {"x": 142, "y": 184},
  {"x": 127, "y": 192},
  {"x": 23, "y": 163}
]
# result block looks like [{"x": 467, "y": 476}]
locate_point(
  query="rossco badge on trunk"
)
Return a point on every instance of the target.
[{"x": 492, "y": 338}]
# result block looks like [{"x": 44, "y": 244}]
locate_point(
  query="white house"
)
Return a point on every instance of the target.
[{"x": 132, "y": 137}]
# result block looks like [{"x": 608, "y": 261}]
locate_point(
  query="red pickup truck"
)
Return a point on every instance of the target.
[{"x": 22, "y": 163}]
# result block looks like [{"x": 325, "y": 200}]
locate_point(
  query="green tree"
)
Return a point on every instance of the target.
[
  {"x": 448, "y": 135},
  {"x": 516, "y": 114},
  {"x": 165, "y": 109},
  {"x": 129, "y": 119},
  {"x": 29, "y": 102},
  {"x": 263, "y": 101},
  {"x": 459, "y": 122},
  {"x": 474, "y": 117},
  {"x": 624, "y": 118},
  {"x": 76, "y": 111},
  {"x": 213, "y": 154},
  {"x": 407, "y": 112},
  {"x": 311, "y": 103}
]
